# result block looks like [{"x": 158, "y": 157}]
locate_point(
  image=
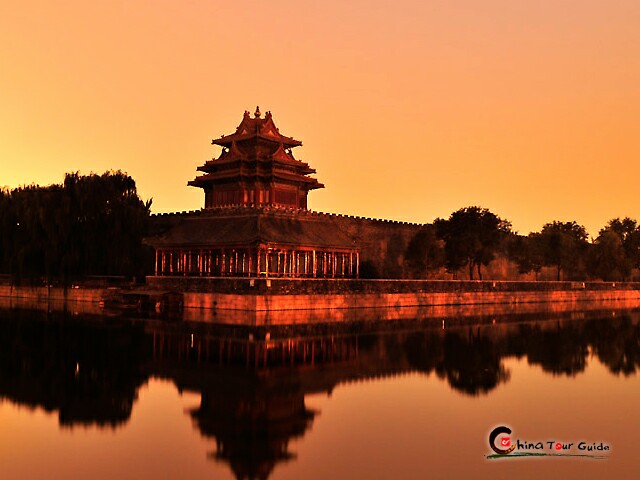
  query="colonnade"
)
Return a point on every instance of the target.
[{"x": 256, "y": 262}]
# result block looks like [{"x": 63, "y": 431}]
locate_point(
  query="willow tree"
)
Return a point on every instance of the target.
[{"x": 89, "y": 225}]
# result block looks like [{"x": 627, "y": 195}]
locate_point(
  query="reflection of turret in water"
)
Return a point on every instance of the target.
[{"x": 253, "y": 423}]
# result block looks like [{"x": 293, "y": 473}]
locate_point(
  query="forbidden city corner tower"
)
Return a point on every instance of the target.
[
  {"x": 255, "y": 221},
  {"x": 256, "y": 168}
]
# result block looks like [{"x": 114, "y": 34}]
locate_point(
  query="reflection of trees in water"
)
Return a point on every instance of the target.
[
  {"x": 253, "y": 391},
  {"x": 616, "y": 342},
  {"x": 88, "y": 372},
  {"x": 560, "y": 351},
  {"x": 470, "y": 359},
  {"x": 471, "y": 363},
  {"x": 564, "y": 349}
]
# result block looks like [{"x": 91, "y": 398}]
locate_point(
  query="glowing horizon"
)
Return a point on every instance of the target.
[{"x": 408, "y": 111}]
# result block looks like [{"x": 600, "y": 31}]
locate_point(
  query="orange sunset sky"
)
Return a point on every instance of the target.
[{"x": 409, "y": 110}]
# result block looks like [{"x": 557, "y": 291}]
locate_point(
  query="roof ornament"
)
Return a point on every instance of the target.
[
  {"x": 257, "y": 114},
  {"x": 246, "y": 114},
  {"x": 267, "y": 115}
]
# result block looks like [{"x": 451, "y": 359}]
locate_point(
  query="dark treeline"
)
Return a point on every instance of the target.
[
  {"x": 473, "y": 237},
  {"x": 89, "y": 225},
  {"x": 94, "y": 225}
]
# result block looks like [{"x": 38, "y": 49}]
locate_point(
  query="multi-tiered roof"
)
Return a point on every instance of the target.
[{"x": 256, "y": 167}]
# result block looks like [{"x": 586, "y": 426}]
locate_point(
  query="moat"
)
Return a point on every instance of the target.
[{"x": 88, "y": 396}]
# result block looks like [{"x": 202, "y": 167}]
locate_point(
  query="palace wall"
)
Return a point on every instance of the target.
[{"x": 382, "y": 243}]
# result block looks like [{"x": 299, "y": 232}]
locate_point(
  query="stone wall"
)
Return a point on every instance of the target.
[
  {"x": 286, "y": 294},
  {"x": 76, "y": 300},
  {"x": 313, "y": 286},
  {"x": 257, "y": 302},
  {"x": 382, "y": 243},
  {"x": 218, "y": 294}
]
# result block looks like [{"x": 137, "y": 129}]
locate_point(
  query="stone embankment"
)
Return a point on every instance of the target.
[{"x": 256, "y": 295}]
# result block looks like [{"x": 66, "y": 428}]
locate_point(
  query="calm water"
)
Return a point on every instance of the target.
[{"x": 106, "y": 398}]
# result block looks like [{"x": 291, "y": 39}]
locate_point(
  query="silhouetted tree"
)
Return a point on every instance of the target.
[
  {"x": 527, "y": 253},
  {"x": 5, "y": 239},
  {"x": 425, "y": 252},
  {"x": 564, "y": 245},
  {"x": 472, "y": 235},
  {"x": 90, "y": 225},
  {"x": 628, "y": 231},
  {"x": 607, "y": 258}
]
